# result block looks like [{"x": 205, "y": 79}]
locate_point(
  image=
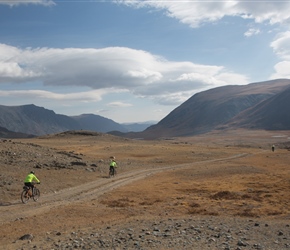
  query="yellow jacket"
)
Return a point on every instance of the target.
[
  {"x": 113, "y": 164},
  {"x": 30, "y": 178}
]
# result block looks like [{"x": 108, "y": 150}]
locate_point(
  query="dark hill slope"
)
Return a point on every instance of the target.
[
  {"x": 210, "y": 109},
  {"x": 98, "y": 123},
  {"x": 5, "y": 133},
  {"x": 30, "y": 119},
  {"x": 271, "y": 114}
]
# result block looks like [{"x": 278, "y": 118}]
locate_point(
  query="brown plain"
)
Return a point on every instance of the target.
[{"x": 224, "y": 174}]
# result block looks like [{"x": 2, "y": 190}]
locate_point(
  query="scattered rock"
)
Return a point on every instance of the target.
[
  {"x": 26, "y": 237},
  {"x": 188, "y": 233}
]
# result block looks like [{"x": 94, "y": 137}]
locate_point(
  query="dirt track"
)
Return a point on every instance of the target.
[{"x": 85, "y": 192}]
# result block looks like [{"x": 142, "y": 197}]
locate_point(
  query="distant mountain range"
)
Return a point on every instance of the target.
[
  {"x": 34, "y": 120},
  {"x": 263, "y": 105}
]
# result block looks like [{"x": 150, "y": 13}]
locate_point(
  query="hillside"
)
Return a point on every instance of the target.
[
  {"x": 271, "y": 114},
  {"x": 209, "y": 110},
  {"x": 97, "y": 123},
  {"x": 5, "y": 133},
  {"x": 30, "y": 119}
]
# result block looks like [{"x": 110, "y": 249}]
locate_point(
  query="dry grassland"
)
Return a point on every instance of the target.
[{"x": 233, "y": 174}]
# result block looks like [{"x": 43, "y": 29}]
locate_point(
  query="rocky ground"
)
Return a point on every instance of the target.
[
  {"x": 226, "y": 191},
  {"x": 188, "y": 233}
]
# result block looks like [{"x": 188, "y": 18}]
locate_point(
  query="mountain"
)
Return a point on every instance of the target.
[
  {"x": 137, "y": 127},
  {"x": 211, "y": 109},
  {"x": 263, "y": 105},
  {"x": 30, "y": 119},
  {"x": 34, "y": 120},
  {"x": 271, "y": 114},
  {"x": 98, "y": 123}
]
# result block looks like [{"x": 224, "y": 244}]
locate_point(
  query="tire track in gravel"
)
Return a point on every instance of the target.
[{"x": 92, "y": 190}]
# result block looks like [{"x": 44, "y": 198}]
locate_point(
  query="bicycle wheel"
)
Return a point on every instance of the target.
[
  {"x": 36, "y": 194},
  {"x": 111, "y": 172},
  {"x": 24, "y": 196}
]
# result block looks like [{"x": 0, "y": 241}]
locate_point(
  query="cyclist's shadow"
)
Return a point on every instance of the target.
[{"x": 6, "y": 204}]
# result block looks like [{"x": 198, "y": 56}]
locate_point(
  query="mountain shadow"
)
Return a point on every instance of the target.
[
  {"x": 271, "y": 114},
  {"x": 5, "y": 133}
]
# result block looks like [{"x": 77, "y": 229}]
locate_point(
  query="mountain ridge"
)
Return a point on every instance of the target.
[
  {"x": 261, "y": 105},
  {"x": 214, "y": 108},
  {"x": 33, "y": 120}
]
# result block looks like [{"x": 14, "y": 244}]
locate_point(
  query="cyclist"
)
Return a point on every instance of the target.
[
  {"x": 29, "y": 180},
  {"x": 113, "y": 165},
  {"x": 273, "y": 148}
]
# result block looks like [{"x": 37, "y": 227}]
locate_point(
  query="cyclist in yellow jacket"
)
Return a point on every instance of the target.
[
  {"x": 30, "y": 179},
  {"x": 113, "y": 165}
]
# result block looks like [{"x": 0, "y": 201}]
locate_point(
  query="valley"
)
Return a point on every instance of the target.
[{"x": 211, "y": 182}]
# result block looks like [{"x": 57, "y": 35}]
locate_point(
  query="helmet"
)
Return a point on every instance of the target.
[{"x": 32, "y": 172}]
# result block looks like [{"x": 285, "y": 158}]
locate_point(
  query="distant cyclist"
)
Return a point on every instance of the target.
[
  {"x": 113, "y": 166},
  {"x": 273, "y": 148},
  {"x": 30, "y": 179}
]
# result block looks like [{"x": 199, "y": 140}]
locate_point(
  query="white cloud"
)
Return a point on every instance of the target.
[
  {"x": 119, "y": 104},
  {"x": 281, "y": 45},
  {"x": 226, "y": 78},
  {"x": 195, "y": 13},
  {"x": 151, "y": 76},
  {"x": 110, "y": 69},
  {"x": 88, "y": 96},
  {"x": 19, "y": 2},
  {"x": 173, "y": 98},
  {"x": 252, "y": 32},
  {"x": 282, "y": 70}
]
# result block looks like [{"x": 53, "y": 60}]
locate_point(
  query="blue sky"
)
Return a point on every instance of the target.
[{"x": 135, "y": 61}]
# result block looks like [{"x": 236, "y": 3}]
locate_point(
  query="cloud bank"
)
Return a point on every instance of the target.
[
  {"x": 112, "y": 69},
  {"x": 281, "y": 47},
  {"x": 196, "y": 13},
  {"x": 137, "y": 71},
  {"x": 18, "y": 2}
]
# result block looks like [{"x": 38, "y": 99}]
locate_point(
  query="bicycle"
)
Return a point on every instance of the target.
[
  {"x": 112, "y": 172},
  {"x": 26, "y": 195}
]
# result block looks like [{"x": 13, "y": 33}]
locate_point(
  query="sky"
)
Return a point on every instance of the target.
[{"x": 136, "y": 60}]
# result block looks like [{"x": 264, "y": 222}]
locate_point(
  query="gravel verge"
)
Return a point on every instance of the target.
[{"x": 186, "y": 233}]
